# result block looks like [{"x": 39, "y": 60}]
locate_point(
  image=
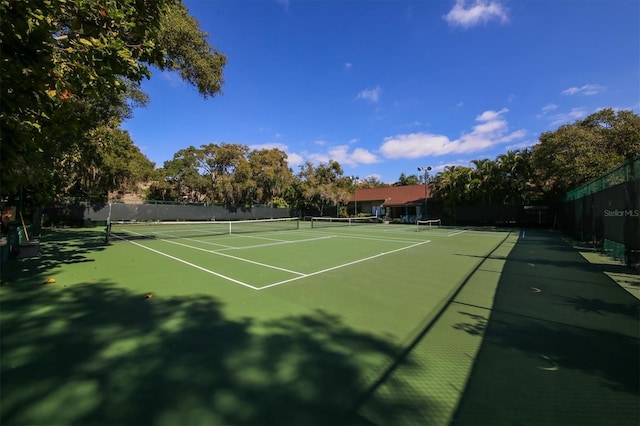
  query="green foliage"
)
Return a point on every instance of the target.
[
  {"x": 324, "y": 185},
  {"x": 225, "y": 173},
  {"x": 270, "y": 176},
  {"x": 280, "y": 203},
  {"x": 188, "y": 51},
  {"x": 112, "y": 162},
  {"x": 577, "y": 153},
  {"x": 371, "y": 182},
  {"x": 405, "y": 180},
  {"x": 74, "y": 67},
  {"x": 505, "y": 180},
  {"x": 562, "y": 160}
]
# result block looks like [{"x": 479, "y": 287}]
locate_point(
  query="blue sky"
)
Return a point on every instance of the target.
[{"x": 384, "y": 87}]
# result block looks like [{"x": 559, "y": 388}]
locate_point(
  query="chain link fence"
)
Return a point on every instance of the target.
[{"x": 606, "y": 212}]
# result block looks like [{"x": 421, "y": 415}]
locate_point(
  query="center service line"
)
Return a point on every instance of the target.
[
  {"x": 342, "y": 266},
  {"x": 235, "y": 257}
]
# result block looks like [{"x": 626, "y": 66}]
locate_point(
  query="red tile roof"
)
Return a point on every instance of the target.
[{"x": 392, "y": 195}]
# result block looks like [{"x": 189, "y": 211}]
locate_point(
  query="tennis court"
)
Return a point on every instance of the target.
[
  {"x": 218, "y": 323},
  {"x": 261, "y": 258}
]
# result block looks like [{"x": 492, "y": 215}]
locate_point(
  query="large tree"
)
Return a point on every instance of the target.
[
  {"x": 324, "y": 185},
  {"x": 179, "y": 179},
  {"x": 270, "y": 174},
  {"x": 576, "y": 153},
  {"x": 74, "y": 66},
  {"x": 371, "y": 182},
  {"x": 224, "y": 173}
]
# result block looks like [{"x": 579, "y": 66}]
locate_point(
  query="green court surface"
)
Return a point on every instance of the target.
[{"x": 369, "y": 324}]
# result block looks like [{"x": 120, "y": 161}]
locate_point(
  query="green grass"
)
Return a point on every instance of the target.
[{"x": 289, "y": 327}]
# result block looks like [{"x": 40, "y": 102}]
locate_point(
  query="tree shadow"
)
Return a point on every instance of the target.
[
  {"x": 58, "y": 247},
  {"x": 611, "y": 356},
  {"x": 100, "y": 354},
  {"x": 565, "y": 354},
  {"x": 475, "y": 328},
  {"x": 602, "y": 307}
]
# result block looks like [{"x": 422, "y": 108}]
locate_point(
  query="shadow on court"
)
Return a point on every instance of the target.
[
  {"x": 97, "y": 353},
  {"x": 63, "y": 247},
  {"x": 561, "y": 346}
]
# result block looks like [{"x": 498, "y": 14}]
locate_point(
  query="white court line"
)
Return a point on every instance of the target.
[
  {"x": 173, "y": 236},
  {"x": 342, "y": 266},
  {"x": 278, "y": 242},
  {"x": 357, "y": 237},
  {"x": 234, "y": 257},
  {"x": 256, "y": 237},
  {"x": 457, "y": 233},
  {"x": 191, "y": 264},
  {"x": 384, "y": 240},
  {"x": 300, "y": 275},
  {"x": 282, "y": 242}
]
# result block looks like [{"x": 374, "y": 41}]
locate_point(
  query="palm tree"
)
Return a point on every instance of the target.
[
  {"x": 483, "y": 180},
  {"x": 516, "y": 176}
]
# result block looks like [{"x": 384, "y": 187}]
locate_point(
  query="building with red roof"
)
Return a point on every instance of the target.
[{"x": 391, "y": 202}]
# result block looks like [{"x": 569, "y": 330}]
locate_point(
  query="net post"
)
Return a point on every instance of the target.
[{"x": 107, "y": 228}]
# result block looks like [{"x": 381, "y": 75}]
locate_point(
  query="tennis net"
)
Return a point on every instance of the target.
[
  {"x": 164, "y": 230},
  {"x": 326, "y": 222},
  {"x": 427, "y": 224}
]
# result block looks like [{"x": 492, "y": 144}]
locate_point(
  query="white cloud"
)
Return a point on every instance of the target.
[
  {"x": 568, "y": 117},
  {"x": 491, "y": 115},
  {"x": 492, "y": 130},
  {"x": 521, "y": 145},
  {"x": 342, "y": 155},
  {"x": 371, "y": 95},
  {"x": 415, "y": 145},
  {"x": 546, "y": 110},
  {"x": 363, "y": 156},
  {"x": 373, "y": 175},
  {"x": 318, "y": 157},
  {"x": 467, "y": 14},
  {"x": 294, "y": 159},
  {"x": 271, "y": 145},
  {"x": 518, "y": 134},
  {"x": 587, "y": 89},
  {"x": 348, "y": 65}
]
